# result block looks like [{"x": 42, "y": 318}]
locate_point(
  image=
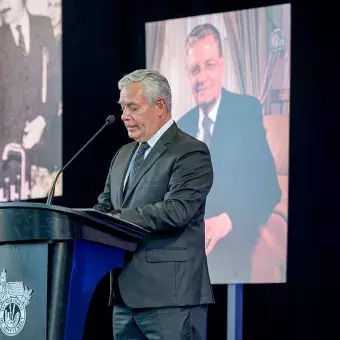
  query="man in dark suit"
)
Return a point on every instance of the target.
[
  {"x": 55, "y": 13},
  {"x": 30, "y": 89},
  {"x": 245, "y": 186},
  {"x": 160, "y": 182}
]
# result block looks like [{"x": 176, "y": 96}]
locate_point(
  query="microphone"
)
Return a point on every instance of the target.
[{"x": 109, "y": 120}]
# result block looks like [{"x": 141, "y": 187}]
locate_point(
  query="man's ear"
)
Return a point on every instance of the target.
[{"x": 161, "y": 106}]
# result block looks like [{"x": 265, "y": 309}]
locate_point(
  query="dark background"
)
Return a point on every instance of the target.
[{"x": 103, "y": 40}]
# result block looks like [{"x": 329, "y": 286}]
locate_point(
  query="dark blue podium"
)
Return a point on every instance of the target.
[{"x": 51, "y": 260}]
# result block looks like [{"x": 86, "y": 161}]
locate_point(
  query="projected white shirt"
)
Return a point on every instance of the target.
[
  {"x": 25, "y": 29},
  {"x": 212, "y": 115}
]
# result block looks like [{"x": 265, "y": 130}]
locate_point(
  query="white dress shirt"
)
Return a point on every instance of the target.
[
  {"x": 24, "y": 22},
  {"x": 212, "y": 115}
]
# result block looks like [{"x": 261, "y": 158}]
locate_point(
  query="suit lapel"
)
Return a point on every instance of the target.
[
  {"x": 8, "y": 43},
  {"x": 189, "y": 122},
  {"x": 124, "y": 165},
  {"x": 222, "y": 125},
  {"x": 194, "y": 123},
  {"x": 151, "y": 158}
]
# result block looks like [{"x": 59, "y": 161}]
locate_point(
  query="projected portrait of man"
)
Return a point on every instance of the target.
[
  {"x": 245, "y": 188},
  {"x": 29, "y": 91}
]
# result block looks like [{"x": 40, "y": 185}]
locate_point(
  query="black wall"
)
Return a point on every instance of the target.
[{"x": 102, "y": 40}]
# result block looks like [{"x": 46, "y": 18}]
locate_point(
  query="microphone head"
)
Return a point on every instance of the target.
[{"x": 110, "y": 119}]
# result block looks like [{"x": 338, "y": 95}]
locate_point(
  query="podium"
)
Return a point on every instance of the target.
[{"x": 51, "y": 260}]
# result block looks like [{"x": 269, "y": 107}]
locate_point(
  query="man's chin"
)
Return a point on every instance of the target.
[
  {"x": 205, "y": 99},
  {"x": 206, "y": 106},
  {"x": 134, "y": 135}
]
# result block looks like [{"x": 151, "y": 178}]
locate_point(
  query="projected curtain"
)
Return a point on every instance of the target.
[
  {"x": 155, "y": 44},
  {"x": 254, "y": 54}
]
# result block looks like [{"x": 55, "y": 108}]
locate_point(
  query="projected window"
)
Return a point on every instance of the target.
[
  {"x": 230, "y": 79},
  {"x": 30, "y": 98}
]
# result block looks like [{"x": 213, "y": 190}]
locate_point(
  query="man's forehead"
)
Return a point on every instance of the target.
[
  {"x": 203, "y": 48},
  {"x": 130, "y": 94},
  {"x": 131, "y": 89},
  {"x": 127, "y": 101}
]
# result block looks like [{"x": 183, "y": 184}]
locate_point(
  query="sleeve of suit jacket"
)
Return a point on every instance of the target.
[{"x": 189, "y": 185}]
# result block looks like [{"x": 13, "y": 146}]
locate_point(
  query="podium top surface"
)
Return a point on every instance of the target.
[{"x": 22, "y": 221}]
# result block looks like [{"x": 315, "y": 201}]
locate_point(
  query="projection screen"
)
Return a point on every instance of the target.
[
  {"x": 30, "y": 98},
  {"x": 230, "y": 79}
]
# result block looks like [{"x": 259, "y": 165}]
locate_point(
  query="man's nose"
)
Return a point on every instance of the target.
[
  {"x": 125, "y": 115},
  {"x": 202, "y": 77}
]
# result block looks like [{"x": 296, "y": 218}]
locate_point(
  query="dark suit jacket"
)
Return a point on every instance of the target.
[
  {"x": 245, "y": 181},
  {"x": 21, "y": 80},
  {"x": 168, "y": 197}
]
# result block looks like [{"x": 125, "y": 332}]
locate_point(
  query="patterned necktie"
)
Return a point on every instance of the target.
[
  {"x": 136, "y": 164},
  {"x": 207, "y": 122},
  {"x": 22, "y": 45}
]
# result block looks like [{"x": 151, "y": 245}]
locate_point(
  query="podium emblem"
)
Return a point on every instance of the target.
[{"x": 14, "y": 297}]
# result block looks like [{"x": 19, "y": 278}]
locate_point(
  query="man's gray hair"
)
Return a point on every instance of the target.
[
  {"x": 154, "y": 84},
  {"x": 201, "y": 31}
]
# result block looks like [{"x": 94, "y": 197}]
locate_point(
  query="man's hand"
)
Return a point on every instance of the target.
[
  {"x": 33, "y": 132},
  {"x": 115, "y": 212},
  {"x": 216, "y": 228}
]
